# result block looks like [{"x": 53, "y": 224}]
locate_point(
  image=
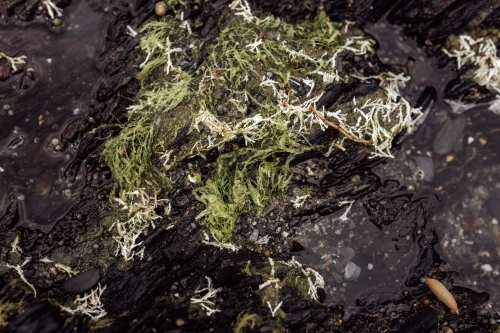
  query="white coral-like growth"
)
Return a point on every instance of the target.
[
  {"x": 89, "y": 304},
  {"x": 205, "y": 301},
  {"x": 14, "y": 61},
  {"x": 141, "y": 209},
  {"x": 52, "y": 9},
  {"x": 482, "y": 53}
]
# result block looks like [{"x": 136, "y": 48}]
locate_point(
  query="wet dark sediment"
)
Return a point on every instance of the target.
[{"x": 396, "y": 213}]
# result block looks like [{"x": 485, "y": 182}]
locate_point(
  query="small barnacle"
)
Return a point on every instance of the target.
[
  {"x": 161, "y": 8},
  {"x": 442, "y": 294}
]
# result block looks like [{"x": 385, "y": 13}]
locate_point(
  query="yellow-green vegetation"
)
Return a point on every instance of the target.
[
  {"x": 276, "y": 275},
  {"x": 245, "y": 320},
  {"x": 244, "y": 88},
  {"x": 8, "y": 310}
]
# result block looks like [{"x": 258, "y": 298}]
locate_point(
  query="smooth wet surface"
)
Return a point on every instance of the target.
[
  {"x": 55, "y": 86},
  {"x": 459, "y": 182}
]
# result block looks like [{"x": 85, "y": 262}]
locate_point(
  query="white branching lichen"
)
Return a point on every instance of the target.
[
  {"x": 495, "y": 105},
  {"x": 52, "y": 9},
  {"x": 20, "y": 272},
  {"x": 68, "y": 270},
  {"x": 141, "y": 216},
  {"x": 89, "y": 304},
  {"x": 299, "y": 200},
  {"x": 482, "y": 53},
  {"x": 14, "y": 61},
  {"x": 15, "y": 248},
  {"x": 131, "y": 32},
  {"x": 263, "y": 240},
  {"x": 215, "y": 242},
  {"x": 315, "y": 282},
  {"x": 275, "y": 310},
  {"x": 205, "y": 301},
  {"x": 348, "y": 209},
  {"x": 269, "y": 282}
]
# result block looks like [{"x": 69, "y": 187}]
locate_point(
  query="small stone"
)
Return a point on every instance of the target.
[
  {"x": 494, "y": 206},
  {"x": 337, "y": 277},
  {"x": 349, "y": 254},
  {"x": 482, "y": 141},
  {"x": 161, "y": 8},
  {"x": 370, "y": 266},
  {"x": 264, "y": 329},
  {"x": 447, "y": 137},
  {"x": 487, "y": 268},
  {"x": 427, "y": 166},
  {"x": 58, "y": 22},
  {"x": 254, "y": 235},
  {"x": 82, "y": 282},
  {"x": 352, "y": 271},
  {"x": 179, "y": 322},
  {"x": 449, "y": 158}
]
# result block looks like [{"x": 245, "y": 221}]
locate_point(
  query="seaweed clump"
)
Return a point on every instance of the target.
[{"x": 251, "y": 95}]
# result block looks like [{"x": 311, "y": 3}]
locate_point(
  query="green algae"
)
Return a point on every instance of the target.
[{"x": 241, "y": 87}]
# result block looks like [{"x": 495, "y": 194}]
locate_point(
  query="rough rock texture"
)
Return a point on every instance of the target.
[{"x": 152, "y": 294}]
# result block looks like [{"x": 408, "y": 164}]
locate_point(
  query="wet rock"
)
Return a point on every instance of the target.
[
  {"x": 425, "y": 321},
  {"x": 311, "y": 315},
  {"x": 426, "y": 164},
  {"x": 447, "y": 137},
  {"x": 337, "y": 277},
  {"x": 352, "y": 271},
  {"x": 266, "y": 329},
  {"x": 82, "y": 282},
  {"x": 29, "y": 273},
  {"x": 349, "y": 254},
  {"x": 41, "y": 317},
  {"x": 494, "y": 205}
]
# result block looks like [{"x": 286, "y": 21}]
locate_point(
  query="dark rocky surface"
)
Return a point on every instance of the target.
[{"x": 151, "y": 295}]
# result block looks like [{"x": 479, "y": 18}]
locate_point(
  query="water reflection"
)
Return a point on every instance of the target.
[{"x": 55, "y": 86}]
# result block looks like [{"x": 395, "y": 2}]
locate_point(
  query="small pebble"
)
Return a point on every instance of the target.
[
  {"x": 370, "y": 266},
  {"x": 352, "y": 271},
  {"x": 447, "y": 137},
  {"x": 254, "y": 235},
  {"x": 487, "y": 268},
  {"x": 449, "y": 158},
  {"x": 179, "y": 322},
  {"x": 337, "y": 277},
  {"x": 426, "y": 164},
  {"x": 264, "y": 329},
  {"x": 82, "y": 282},
  {"x": 349, "y": 254}
]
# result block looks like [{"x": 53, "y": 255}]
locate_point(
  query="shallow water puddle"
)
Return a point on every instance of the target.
[{"x": 55, "y": 86}]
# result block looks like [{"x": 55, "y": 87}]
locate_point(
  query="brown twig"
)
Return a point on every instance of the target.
[{"x": 338, "y": 128}]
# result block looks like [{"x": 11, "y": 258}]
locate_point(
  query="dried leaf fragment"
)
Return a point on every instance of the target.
[{"x": 442, "y": 294}]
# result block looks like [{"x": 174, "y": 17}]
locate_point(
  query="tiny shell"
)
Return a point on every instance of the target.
[{"x": 442, "y": 294}]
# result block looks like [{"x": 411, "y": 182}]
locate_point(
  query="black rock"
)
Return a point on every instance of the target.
[
  {"x": 82, "y": 282},
  {"x": 424, "y": 321},
  {"x": 447, "y": 137}
]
